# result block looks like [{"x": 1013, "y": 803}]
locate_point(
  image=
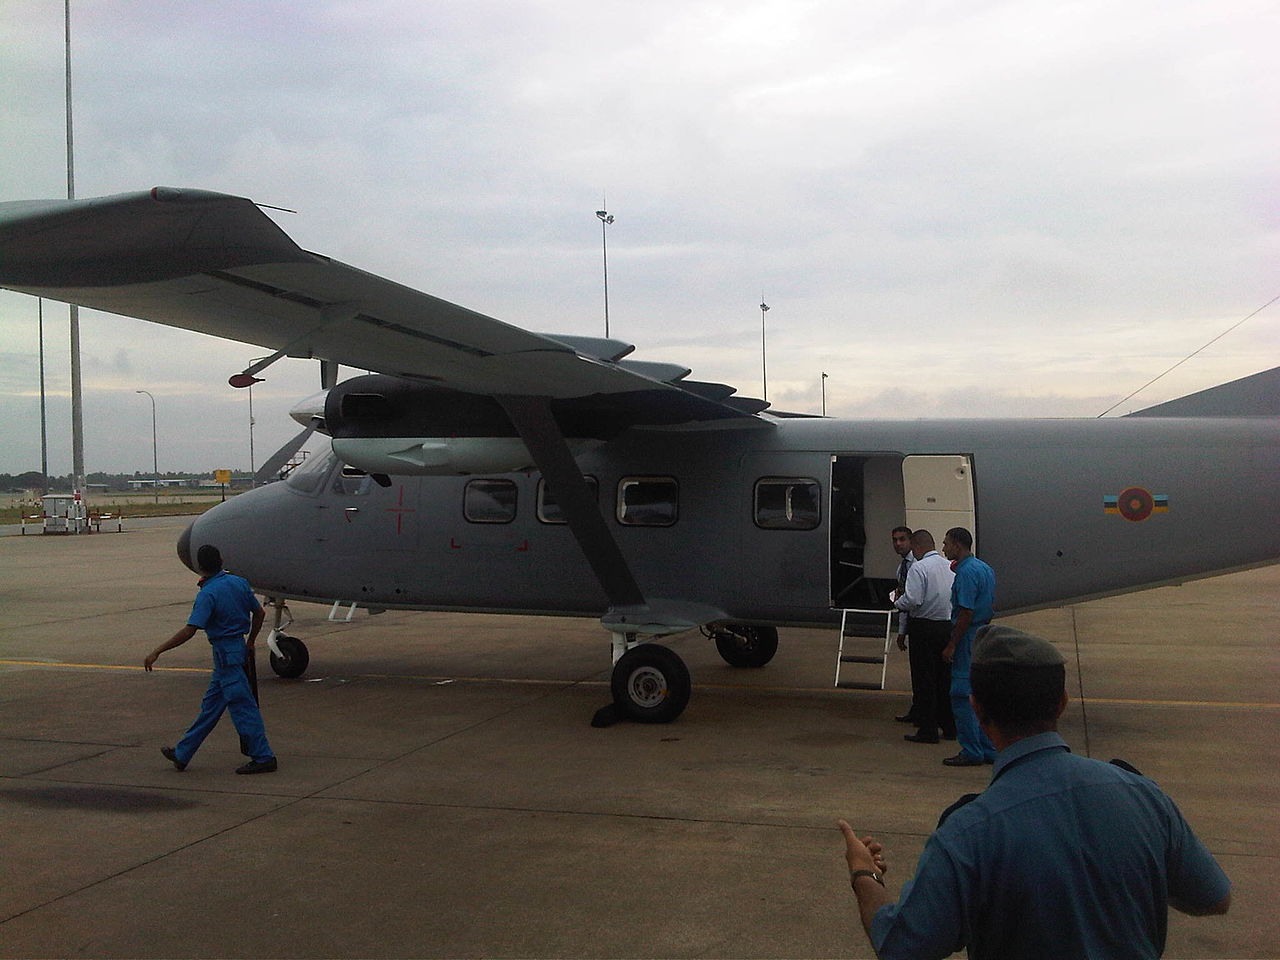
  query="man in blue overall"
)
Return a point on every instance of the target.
[
  {"x": 226, "y": 610},
  {"x": 1061, "y": 856},
  {"x": 973, "y": 596}
]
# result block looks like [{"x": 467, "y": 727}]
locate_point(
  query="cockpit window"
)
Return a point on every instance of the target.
[
  {"x": 352, "y": 482},
  {"x": 309, "y": 476}
]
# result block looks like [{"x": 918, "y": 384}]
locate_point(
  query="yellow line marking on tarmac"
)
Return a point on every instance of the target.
[
  {"x": 533, "y": 681},
  {"x": 98, "y": 666}
]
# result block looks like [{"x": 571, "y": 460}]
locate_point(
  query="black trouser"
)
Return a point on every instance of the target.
[{"x": 930, "y": 675}]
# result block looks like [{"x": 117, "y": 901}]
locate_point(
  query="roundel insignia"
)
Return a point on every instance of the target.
[{"x": 1135, "y": 504}]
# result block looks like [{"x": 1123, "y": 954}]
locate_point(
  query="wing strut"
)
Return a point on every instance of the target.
[{"x": 532, "y": 417}]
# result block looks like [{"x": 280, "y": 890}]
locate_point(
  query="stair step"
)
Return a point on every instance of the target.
[
  {"x": 849, "y": 658},
  {"x": 858, "y": 685}
]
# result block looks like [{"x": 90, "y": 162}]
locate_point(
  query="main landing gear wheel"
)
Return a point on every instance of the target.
[
  {"x": 293, "y": 660},
  {"x": 650, "y": 684},
  {"x": 745, "y": 644}
]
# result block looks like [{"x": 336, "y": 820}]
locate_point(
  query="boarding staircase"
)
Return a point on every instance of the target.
[{"x": 867, "y": 635}]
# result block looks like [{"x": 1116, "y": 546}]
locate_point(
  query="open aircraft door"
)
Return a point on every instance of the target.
[{"x": 938, "y": 494}]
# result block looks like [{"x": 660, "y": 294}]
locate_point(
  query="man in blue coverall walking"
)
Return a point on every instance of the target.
[
  {"x": 973, "y": 597},
  {"x": 226, "y": 610}
]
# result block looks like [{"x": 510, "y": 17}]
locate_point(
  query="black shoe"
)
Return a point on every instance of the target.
[
  {"x": 919, "y": 738},
  {"x": 905, "y": 718},
  {"x": 948, "y": 736},
  {"x": 172, "y": 757},
  {"x": 259, "y": 766},
  {"x": 963, "y": 759}
]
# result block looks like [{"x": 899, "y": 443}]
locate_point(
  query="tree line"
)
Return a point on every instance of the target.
[{"x": 33, "y": 480}]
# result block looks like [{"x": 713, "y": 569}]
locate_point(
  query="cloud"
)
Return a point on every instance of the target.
[{"x": 1060, "y": 200}]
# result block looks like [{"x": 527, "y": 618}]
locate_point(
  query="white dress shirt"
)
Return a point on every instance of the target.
[{"x": 928, "y": 593}]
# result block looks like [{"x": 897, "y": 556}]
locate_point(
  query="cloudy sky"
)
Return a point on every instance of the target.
[{"x": 1038, "y": 206}]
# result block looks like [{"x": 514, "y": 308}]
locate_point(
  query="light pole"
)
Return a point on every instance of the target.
[
  {"x": 606, "y": 218},
  {"x": 252, "y": 466},
  {"x": 764, "y": 370},
  {"x": 155, "y": 468},
  {"x": 44, "y": 419},
  {"x": 824, "y": 394},
  {"x": 77, "y": 393}
]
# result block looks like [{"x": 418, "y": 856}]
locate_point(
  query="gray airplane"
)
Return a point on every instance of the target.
[{"x": 486, "y": 468}]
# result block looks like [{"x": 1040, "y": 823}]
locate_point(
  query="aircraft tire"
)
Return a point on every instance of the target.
[
  {"x": 651, "y": 684},
  {"x": 295, "y": 658},
  {"x": 746, "y": 644}
]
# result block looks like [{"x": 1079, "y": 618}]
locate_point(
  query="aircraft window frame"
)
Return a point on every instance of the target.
[
  {"x": 623, "y": 508},
  {"x": 789, "y": 520},
  {"x": 309, "y": 476},
  {"x": 541, "y": 502},
  {"x": 497, "y": 483},
  {"x": 351, "y": 482}
]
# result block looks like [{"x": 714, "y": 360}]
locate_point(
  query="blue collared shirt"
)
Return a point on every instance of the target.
[
  {"x": 974, "y": 588},
  {"x": 1061, "y": 856},
  {"x": 224, "y": 607},
  {"x": 928, "y": 593}
]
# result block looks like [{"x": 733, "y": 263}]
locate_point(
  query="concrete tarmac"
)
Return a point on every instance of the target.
[{"x": 441, "y": 794}]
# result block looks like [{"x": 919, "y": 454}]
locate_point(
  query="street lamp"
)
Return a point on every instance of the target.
[
  {"x": 155, "y": 468},
  {"x": 824, "y": 394},
  {"x": 606, "y": 218},
  {"x": 764, "y": 371},
  {"x": 252, "y": 467}
]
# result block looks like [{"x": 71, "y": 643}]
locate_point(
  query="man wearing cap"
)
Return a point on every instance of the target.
[
  {"x": 1061, "y": 856},
  {"x": 973, "y": 597}
]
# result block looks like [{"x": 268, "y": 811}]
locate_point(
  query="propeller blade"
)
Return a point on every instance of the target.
[{"x": 282, "y": 456}]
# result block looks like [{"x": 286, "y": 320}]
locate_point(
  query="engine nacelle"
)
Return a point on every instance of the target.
[{"x": 390, "y": 425}]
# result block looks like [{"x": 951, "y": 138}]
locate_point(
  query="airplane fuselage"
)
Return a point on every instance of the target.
[{"x": 1045, "y": 514}]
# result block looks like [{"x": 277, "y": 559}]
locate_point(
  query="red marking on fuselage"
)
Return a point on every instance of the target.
[{"x": 400, "y": 510}]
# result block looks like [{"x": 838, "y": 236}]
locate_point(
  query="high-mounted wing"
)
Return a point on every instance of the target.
[{"x": 217, "y": 264}]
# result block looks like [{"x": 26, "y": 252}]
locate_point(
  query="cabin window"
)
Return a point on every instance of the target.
[
  {"x": 309, "y": 476},
  {"x": 787, "y": 503},
  {"x": 352, "y": 482},
  {"x": 648, "y": 501},
  {"x": 489, "y": 501},
  {"x": 549, "y": 511}
]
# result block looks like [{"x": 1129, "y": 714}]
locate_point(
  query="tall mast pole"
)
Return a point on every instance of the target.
[
  {"x": 44, "y": 420},
  {"x": 77, "y": 394}
]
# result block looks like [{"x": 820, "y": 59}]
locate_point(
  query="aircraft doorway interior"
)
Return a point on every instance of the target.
[
  {"x": 866, "y": 504},
  {"x": 873, "y": 493}
]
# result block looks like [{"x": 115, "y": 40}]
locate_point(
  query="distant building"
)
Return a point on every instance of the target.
[{"x": 148, "y": 483}]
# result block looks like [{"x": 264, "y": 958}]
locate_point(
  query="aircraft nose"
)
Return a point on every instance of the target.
[{"x": 184, "y": 548}]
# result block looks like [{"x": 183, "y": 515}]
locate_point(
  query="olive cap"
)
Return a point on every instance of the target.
[{"x": 1001, "y": 646}]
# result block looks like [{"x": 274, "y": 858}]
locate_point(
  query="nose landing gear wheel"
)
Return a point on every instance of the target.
[
  {"x": 744, "y": 644},
  {"x": 650, "y": 684},
  {"x": 294, "y": 659}
]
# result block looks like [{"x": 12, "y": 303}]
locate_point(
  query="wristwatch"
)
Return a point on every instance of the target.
[{"x": 855, "y": 874}]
